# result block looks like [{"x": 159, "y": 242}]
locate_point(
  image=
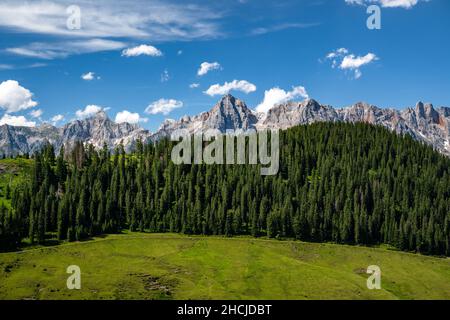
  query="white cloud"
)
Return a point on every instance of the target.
[
  {"x": 19, "y": 121},
  {"x": 155, "y": 20},
  {"x": 276, "y": 96},
  {"x": 205, "y": 67},
  {"x": 36, "y": 65},
  {"x": 88, "y": 111},
  {"x": 57, "y": 118},
  {"x": 6, "y": 67},
  {"x": 14, "y": 97},
  {"x": 27, "y": 66},
  {"x": 238, "y": 85},
  {"x": 344, "y": 60},
  {"x": 130, "y": 117},
  {"x": 194, "y": 85},
  {"x": 164, "y": 106},
  {"x": 64, "y": 49},
  {"x": 143, "y": 49},
  {"x": 89, "y": 76},
  {"x": 282, "y": 26},
  {"x": 407, "y": 4},
  {"x": 355, "y": 62},
  {"x": 338, "y": 52},
  {"x": 36, "y": 113},
  {"x": 165, "y": 76}
]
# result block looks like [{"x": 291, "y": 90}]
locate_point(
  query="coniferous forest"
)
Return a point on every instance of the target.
[{"x": 344, "y": 183}]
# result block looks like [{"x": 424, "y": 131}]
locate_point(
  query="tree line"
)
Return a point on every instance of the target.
[{"x": 345, "y": 183}]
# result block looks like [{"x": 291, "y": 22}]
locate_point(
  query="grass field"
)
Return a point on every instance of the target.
[{"x": 168, "y": 266}]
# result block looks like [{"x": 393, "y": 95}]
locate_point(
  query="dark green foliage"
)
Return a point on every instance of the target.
[
  {"x": 346, "y": 183},
  {"x": 9, "y": 228}
]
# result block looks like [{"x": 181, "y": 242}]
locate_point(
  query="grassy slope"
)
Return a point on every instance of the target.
[
  {"x": 155, "y": 266},
  {"x": 13, "y": 172}
]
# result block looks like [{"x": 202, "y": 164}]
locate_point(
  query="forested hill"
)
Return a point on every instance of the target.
[{"x": 346, "y": 183}]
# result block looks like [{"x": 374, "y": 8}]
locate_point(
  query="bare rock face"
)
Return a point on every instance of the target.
[
  {"x": 291, "y": 114},
  {"x": 228, "y": 114},
  {"x": 96, "y": 130},
  {"x": 21, "y": 140},
  {"x": 423, "y": 122},
  {"x": 99, "y": 130}
]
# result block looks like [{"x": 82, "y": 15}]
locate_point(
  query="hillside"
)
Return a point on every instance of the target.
[
  {"x": 12, "y": 173},
  {"x": 345, "y": 183},
  {"x": 167, "y": 266}
]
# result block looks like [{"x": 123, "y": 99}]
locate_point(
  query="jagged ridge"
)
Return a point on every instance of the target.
[{"x": 423, "y": 123}]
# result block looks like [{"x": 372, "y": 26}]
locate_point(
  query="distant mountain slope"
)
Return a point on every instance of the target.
[
  {"x": 99, "y": 130},
  {"x": 96, "y": 130},
  {"x": 228, "y": 114},
  {"x": 424, "y": 123}
]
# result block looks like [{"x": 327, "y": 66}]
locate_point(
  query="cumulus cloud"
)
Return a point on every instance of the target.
[
  {"x": 407, "y": 4},
  {"x": 237, "y": 85},
  {"x": 14, "y": 97},
  {"x": 355, "y": 62},
  {"x": 164, "y": 106},
  {"x": 19, "y": 121},
  {"x": 194, "y": 85},
  {"x": 89, "y": 76},
  {"x": 205, "y": 67},
  {"x": 337, "y": 53},
  {"x": 57, "y": 118},
  {"x": 276, "y": 96},
  {"x": 88, "y": 111},
  {"x": 143, "y": 49},
  {"x": 344, "y": 60},
  {"x": 36, "y": 113},
  {"x": 130, "y": 117}
]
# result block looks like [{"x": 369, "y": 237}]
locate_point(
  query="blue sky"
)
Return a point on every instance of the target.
[{"x": 275, "y": 50}]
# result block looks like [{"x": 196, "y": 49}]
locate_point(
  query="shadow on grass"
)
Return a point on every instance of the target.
[{"x": 50, "y": 241}]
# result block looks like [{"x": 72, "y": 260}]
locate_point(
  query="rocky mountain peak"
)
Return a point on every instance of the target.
[
  {"x": 431, "y": 113},
  {"x": 445, "y": 111},
  {"x": 229, "y": 114},
  {"x": 362, "y": 105},
  {"x": 229, "y": 104},
  {"x": 423, "y": 123},
  {"x": 420, "y": 110},
  {"x": 312, "y": 104},
  {"x": 101, "y": 115},
  {"x": 227, "y": 99}
]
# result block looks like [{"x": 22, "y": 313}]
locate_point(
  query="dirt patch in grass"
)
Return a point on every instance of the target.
[
  {"x": 9, "y": 267},
  {"x": 160, "y": 287},
  {"x": 360, "y": 271}
]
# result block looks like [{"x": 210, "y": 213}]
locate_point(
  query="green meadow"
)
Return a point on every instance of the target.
[{"x": 172, "y": 266}]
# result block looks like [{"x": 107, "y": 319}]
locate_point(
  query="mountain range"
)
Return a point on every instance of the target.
[{"x": 424, "y": 123}]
